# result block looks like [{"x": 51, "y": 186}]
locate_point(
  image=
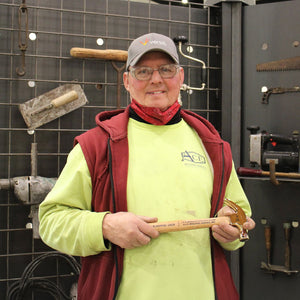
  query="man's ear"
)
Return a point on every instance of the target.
[{"x": 125, "y": 80}]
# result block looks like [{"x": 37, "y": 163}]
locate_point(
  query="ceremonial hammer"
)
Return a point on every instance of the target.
[{"x": 237, "y": 219}]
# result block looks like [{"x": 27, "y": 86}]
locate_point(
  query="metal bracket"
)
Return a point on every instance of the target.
[{"x": 212, "y": 2}]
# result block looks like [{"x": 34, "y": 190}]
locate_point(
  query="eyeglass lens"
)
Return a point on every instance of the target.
[{"x": 145, "y": 73}]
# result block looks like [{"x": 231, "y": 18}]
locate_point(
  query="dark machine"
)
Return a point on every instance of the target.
[{"x": 283, "y": 150}]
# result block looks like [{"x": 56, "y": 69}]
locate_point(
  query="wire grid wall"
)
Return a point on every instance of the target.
[{"x": 55, "y": 27}]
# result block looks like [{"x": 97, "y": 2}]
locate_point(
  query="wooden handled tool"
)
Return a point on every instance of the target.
[
  {"x": 268, "y": 242},
  {"x": 255, "y": 172},
  {"x": 52, "y": 105},
  {"x": 57, "y": 102},
  {"x": 287, "y": 252},
  {"x": 181, "y": 225},
  {"x": 237, "y": 219},
  {"x": 108, "y": 54}
]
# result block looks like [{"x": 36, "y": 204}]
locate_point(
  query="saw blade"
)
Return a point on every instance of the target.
[{"x": 292, "y": 63}]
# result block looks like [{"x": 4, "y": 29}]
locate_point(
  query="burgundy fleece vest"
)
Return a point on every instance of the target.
[{"x": 106, "y": 151}]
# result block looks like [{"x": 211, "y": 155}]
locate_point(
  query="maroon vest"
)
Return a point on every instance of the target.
[{"x": 106, "y": 151}]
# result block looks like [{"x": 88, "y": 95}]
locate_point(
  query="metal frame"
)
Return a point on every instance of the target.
[
  {"x": 231, "y": 94},
  {"x": 213, "y": 2}
]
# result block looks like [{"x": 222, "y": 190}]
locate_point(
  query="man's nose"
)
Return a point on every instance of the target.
[{"x": 156, "y": 76}]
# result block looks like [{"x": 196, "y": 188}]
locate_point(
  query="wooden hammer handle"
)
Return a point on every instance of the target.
[
  {"x": 180, "y": 225},
  {"x": 108, "y": 54}
]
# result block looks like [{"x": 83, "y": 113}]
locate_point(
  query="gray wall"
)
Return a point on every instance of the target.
[{"x": 276, "y": 25}]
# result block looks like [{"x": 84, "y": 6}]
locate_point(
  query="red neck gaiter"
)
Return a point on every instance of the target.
[{"x": 154, "y": 115}]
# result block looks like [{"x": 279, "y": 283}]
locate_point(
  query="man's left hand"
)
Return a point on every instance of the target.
[{"x": 225, "y": 233}]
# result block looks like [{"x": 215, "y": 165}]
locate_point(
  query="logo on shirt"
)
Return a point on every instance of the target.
[{"x": 192, "y": 157}]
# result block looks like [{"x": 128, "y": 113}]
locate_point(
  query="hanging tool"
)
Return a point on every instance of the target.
[
  {"x": 180, "y": 40},
  {"x": 109, "y": 54},
  {"x": 237, "y": 219},
  {"x": 284, "y": 150},
  {"x": 277, "y": 90},
  {"x": 30, "y": 190},
  {"x": 119, "y": 81},
  {"x": 287, "y": 252},
  {"x": 292, "y": 63},
  {"x": 57, "y": 102},
  {"x": 52, "y": 105},
  {"x": 268, "y": 243},
  {"x": 286, "y": 268},
  {"x": 23, "y": 43},
  {"x": 260, "y": 173}
]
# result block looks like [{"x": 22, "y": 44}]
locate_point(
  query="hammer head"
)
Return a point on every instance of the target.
[{"x": 238, "y": 219}]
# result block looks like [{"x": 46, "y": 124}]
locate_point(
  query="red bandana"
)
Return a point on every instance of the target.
[{"x": 154, "y": 115}]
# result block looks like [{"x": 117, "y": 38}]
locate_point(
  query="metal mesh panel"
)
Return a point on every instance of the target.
[{"x": 60, "y": 25}]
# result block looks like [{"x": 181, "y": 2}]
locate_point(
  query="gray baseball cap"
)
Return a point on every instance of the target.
[{"x": 150, "y": 42}]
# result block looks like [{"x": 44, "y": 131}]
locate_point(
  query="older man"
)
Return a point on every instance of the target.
[{"x": 152, "y": 161}]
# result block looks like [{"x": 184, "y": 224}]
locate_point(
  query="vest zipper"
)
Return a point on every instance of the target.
[
  {"x": 114, "y": 210},
  {"x": 222, "y": 181},
  {"x": 215, "y": 212}
]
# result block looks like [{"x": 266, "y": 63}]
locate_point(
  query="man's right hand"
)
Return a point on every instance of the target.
[{"x": 128, "y": 230}]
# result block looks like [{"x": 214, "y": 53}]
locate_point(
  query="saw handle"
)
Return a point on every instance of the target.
[{"x": 108, "y": 54}]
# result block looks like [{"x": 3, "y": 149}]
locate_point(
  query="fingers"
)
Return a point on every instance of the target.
[
  {"x": 225, "y": 233},
  {"x": 225, "y": 211},
  {"x": 128, "y": 230},
  {"x": 146, "y": 229},
  {"x": 249, "y": 224}
]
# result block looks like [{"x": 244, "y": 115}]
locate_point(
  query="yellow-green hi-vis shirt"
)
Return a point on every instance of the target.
[{"x": 169, "y": 177}]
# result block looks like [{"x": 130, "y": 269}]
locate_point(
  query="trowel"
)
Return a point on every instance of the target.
[{"x": 52, "y": 105}]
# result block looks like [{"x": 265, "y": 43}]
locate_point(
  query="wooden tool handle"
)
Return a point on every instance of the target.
[
  {"x": 181, "y": 225},
  {"x": 268, "y": 237},
  {"x": 255, "y": 172},
  {"x": 64, "y": 99},
  {"x": 282, "y": 174},
  {"x": 108, "y": 54},
  {"x": 57, "y": 102},
  {"x": 287, "y": 252}
]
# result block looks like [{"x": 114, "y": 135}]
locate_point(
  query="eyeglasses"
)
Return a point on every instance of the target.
[{"x": 145, "y": 73}]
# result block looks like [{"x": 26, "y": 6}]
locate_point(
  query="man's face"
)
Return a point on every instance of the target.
[{"x": 157, "y": 91}]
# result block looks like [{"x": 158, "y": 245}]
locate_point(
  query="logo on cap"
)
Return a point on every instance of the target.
[{"x": 144, "y": 43}]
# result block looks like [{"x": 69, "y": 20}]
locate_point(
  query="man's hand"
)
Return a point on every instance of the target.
[
  {"x": 225, "y": 233},
  {"x": 128, "y": 230}
]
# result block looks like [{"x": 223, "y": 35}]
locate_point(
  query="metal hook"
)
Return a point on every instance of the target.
[
  {"x": 23, "y": 46},
  {"x": 21, "y": 69}
]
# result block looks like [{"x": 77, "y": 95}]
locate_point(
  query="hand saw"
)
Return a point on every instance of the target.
[{"x": 292, "y": 63}]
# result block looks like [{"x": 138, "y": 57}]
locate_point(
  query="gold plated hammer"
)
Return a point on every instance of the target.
[{"x": 237, "y": 219}]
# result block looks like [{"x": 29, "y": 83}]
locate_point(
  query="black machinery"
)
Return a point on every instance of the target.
[{"x": 283, "y": 150}]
